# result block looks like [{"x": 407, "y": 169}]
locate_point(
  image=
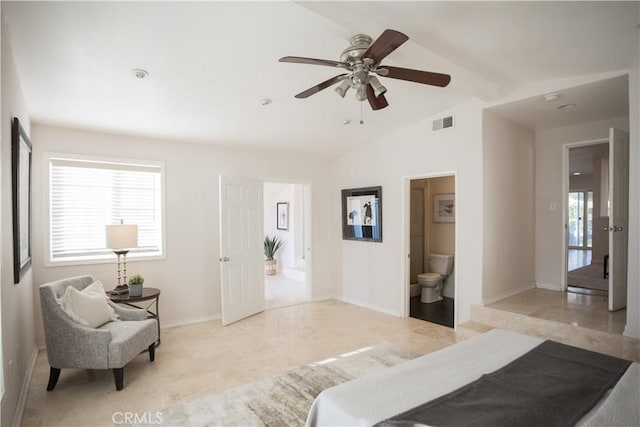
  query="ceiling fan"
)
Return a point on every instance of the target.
[{"x": 362, "y": 59}]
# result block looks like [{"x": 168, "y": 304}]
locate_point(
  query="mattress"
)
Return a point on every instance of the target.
[{"x": 391, "y": 391}]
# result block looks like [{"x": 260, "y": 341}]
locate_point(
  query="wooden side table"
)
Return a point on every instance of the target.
[{"x": 148, "y": 294}]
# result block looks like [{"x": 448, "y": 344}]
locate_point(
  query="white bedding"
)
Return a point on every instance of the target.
[{"x": 389, "y": 392}]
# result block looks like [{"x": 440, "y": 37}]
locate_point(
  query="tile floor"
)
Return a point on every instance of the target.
[
  {"x": 588, "y": 311},
  {"x": 440, "y": 312},
  {"x": 282, "y": 291},
  {"x": 207, "y": 358},
  {"x": 577, "y": 258}
]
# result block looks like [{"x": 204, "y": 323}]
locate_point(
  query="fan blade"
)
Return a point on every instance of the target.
[
  {"x": 424, "y": 77},
  {"x": 377, "y": 103},
  {"x": 320, "y": 86},
  {"x": 388, "y": 41},
  {"x": 313, "y": 61}
]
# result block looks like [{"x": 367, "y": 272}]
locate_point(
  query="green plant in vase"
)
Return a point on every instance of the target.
[
  {"x": 271, "y": 247},
  {"x": 135, "y": 285}
]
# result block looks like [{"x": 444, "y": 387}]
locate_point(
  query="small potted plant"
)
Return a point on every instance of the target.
[
  {"x": 135, "y": 285},
  {"x": 271, "y": 246}
]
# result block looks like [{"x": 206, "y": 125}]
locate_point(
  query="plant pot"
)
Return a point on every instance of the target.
[
  {"x": 135, "y": 290},
  {"x": 270, "y": 266}
]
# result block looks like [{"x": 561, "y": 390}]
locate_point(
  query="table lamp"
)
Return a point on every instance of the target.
[{"x": 121, "y": 238}]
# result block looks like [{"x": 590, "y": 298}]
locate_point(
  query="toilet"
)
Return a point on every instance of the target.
[{"x": 440, "y": 267}]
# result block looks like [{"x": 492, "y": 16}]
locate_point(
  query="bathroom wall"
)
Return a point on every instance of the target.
[
  {"x": 426, "y": 235},
  {"x": 441, "y": 236},
  {"x": 418, "y": 228}
]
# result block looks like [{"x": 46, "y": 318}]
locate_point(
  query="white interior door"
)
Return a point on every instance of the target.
[
  {"x": 618, "y": 217},
  {"x": 241, "y": 248}
]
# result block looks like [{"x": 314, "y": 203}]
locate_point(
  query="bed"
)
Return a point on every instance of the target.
[{"x": 384, "y": 394}]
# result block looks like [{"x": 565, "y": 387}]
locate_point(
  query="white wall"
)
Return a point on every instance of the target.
[
  {"x": 508, "y": 208},
  {"x": 372, "y": 273},
  {"x": 17, "y": 300},
  {"x": 548, "y": 166},
  {"x": 441, "y": 235},
  {"x": 189, "y": 277},
  {"x": 633, "y": 274}
]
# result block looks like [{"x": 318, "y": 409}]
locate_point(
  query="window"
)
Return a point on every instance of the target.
[
  {"x": 87, "y": 194},
  {"x": 580, "y": 230}
]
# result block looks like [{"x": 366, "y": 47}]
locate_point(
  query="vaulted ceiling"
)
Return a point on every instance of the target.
[{"x": 210, "y": 63}]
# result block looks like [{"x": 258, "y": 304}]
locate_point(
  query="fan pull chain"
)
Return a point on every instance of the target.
[{"x": 361, "y": 108}]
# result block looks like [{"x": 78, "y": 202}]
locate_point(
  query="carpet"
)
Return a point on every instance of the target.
[
  {"x": 283, "y": 400},
  {"x": 588, "y": 277}
]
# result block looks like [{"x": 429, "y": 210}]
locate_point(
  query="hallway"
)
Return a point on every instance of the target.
[{"x": 282, "y": 291}]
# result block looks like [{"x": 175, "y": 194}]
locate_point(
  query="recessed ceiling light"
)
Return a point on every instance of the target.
[
  {"x": 265, "y": 101},
  {"x": 566, "y": 106},
  {"x": 576, "y": 173},
  {"x": 550, "y": 97},
  {"x": 140, "y": 73}
]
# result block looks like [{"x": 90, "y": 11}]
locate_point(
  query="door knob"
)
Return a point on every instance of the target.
[
  {"x": 223, "y": 259},
  {"x": 617, "y": 228},
  {"x": 607, "y": 228}
]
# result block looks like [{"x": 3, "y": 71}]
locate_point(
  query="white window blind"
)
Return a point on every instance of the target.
[{"x": 87, "y": 195}]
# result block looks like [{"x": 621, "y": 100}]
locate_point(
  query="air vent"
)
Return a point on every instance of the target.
[{"x": 443, "y": 123}]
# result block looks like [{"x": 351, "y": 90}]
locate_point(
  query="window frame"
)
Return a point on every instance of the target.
[{"x": 103, "y": 258}]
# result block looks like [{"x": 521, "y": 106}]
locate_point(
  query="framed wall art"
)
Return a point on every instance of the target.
[
  {"x": 444, "y": 208},
  {"x": 21, "y": 199},
  {"x": 362, "y": 214},
  {"x": 282, "y": 215}
]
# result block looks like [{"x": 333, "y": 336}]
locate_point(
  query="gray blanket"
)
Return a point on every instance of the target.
[{"x": 551, "y": 385}]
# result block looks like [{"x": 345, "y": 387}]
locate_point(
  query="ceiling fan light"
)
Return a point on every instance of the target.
[
  {"x": 343, "y": 88},
  {"x": 361, "y": 93},
  {"x": 359, "y": 78},
  {"x": 377, "y": 87}
]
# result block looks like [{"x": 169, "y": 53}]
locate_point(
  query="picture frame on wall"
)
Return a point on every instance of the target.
[
  {"x": 444, "y": 208},
  {"x": 21, "y": 199},
  {"x": 282, "y": 215},
  {"x": 362, "y": 214}
]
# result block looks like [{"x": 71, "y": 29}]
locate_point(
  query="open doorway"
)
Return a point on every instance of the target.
[
  {"x": 587, "y": 219},
  {"x": 607, "y": 272},
  {"x": 432, "y": 249},
  {"x": 286, "y": 218}
]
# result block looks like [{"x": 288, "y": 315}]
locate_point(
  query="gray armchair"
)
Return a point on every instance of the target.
[{"x": 111, "y": 346}]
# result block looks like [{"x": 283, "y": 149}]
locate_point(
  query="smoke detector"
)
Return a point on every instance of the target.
[
  {"x": 550, "y": 97},
  {"x": 140, "y": 73}
]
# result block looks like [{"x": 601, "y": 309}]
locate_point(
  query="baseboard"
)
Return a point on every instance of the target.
[
  {"x": 24, "y": 390},
  {"x": 508, "y": 293},
  {"x": 190, "y": 322},
  {"x": 628, "y": 332},
  {"x": 323, "y": 298},
  {"x": 548, "y": 286},
  {"x": 369, "y": 306}
]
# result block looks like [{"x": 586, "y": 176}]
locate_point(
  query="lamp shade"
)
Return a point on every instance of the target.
[{"x": 121, "y": 236}]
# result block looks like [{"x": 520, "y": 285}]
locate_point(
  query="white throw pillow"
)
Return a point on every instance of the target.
[{"x": 88, "y": 307}]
